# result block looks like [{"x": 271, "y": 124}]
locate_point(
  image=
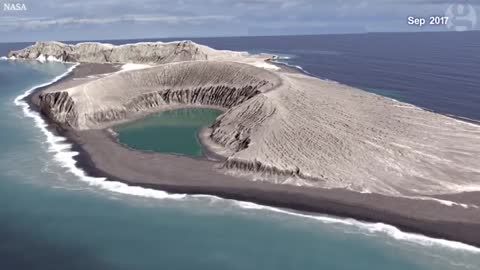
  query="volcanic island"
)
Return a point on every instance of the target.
[{"x": 283, "y": 139}]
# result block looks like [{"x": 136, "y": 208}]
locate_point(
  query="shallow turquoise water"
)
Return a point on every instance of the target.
[
  {"x": 52, "y": 219},
  {"x": 173, "y": 131}
]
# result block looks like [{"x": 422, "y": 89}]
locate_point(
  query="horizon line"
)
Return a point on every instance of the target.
[{"x": 247, "y": 36}]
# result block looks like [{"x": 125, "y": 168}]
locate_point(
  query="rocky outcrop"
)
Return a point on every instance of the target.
[
  {"x": 59, "y": 107},
  {"x": 148, "y": 52}
]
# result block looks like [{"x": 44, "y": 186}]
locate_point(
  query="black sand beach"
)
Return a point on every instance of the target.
[{"x": 101, "y": 155}]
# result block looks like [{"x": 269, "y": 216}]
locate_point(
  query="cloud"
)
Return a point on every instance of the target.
[
  {"x": 54, "y": 19},
  {"x": 448, "y": 2},
  {"x": 42, "y": 22},
  {"x": 278, "y": 3}
]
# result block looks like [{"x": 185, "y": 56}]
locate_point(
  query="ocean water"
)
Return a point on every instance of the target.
[
  {"x": 55, "y": 217},
  {"x": 173, "y": 131}
]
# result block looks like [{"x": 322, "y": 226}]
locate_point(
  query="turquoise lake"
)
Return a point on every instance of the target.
[
  {"x": 173, "y": 131},
  {"x": 52, "y": 217}
]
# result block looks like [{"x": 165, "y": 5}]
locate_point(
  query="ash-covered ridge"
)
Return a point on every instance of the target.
[
  {"x": 288, "y": 127},
  {"x": 147, "y": 52},
  {"x": 127, "y": 95}
]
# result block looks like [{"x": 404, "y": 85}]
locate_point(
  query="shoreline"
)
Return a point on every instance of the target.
[
  {"x": 280, "y": 197},
  {"x": 84, "y": 162}
]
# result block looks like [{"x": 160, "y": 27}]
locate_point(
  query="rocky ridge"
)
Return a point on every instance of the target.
[
  {"x": 147, "y": 52},
  {"x": 129, "y": 94}
]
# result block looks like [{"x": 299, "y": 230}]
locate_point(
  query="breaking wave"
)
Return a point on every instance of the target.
[
  {"x": 294, "y": 66},
  {"x": 63, "y": 154},
  {"x": 374, "y": 228},
  {"x": 283, "y": 60}
]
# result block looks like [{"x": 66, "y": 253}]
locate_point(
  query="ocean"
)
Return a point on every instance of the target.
[{"x": 53, "y": 216}]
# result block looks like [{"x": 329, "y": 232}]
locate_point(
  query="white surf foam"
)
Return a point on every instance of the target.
[
  {"x": 3, "y": 58},
  {"x": 283, "y": 56},
  {"x": 386, "y": 229},
  {"x": 41, "y": 58},
  {"x": 265, "y": 65},
  {"x": 64, "y": 156},
  {"x": 293, "y": 66},
  {"x": 52, "y": 58}
]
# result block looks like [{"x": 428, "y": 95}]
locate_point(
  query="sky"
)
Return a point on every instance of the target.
[{"x": 125, "y": 19}]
